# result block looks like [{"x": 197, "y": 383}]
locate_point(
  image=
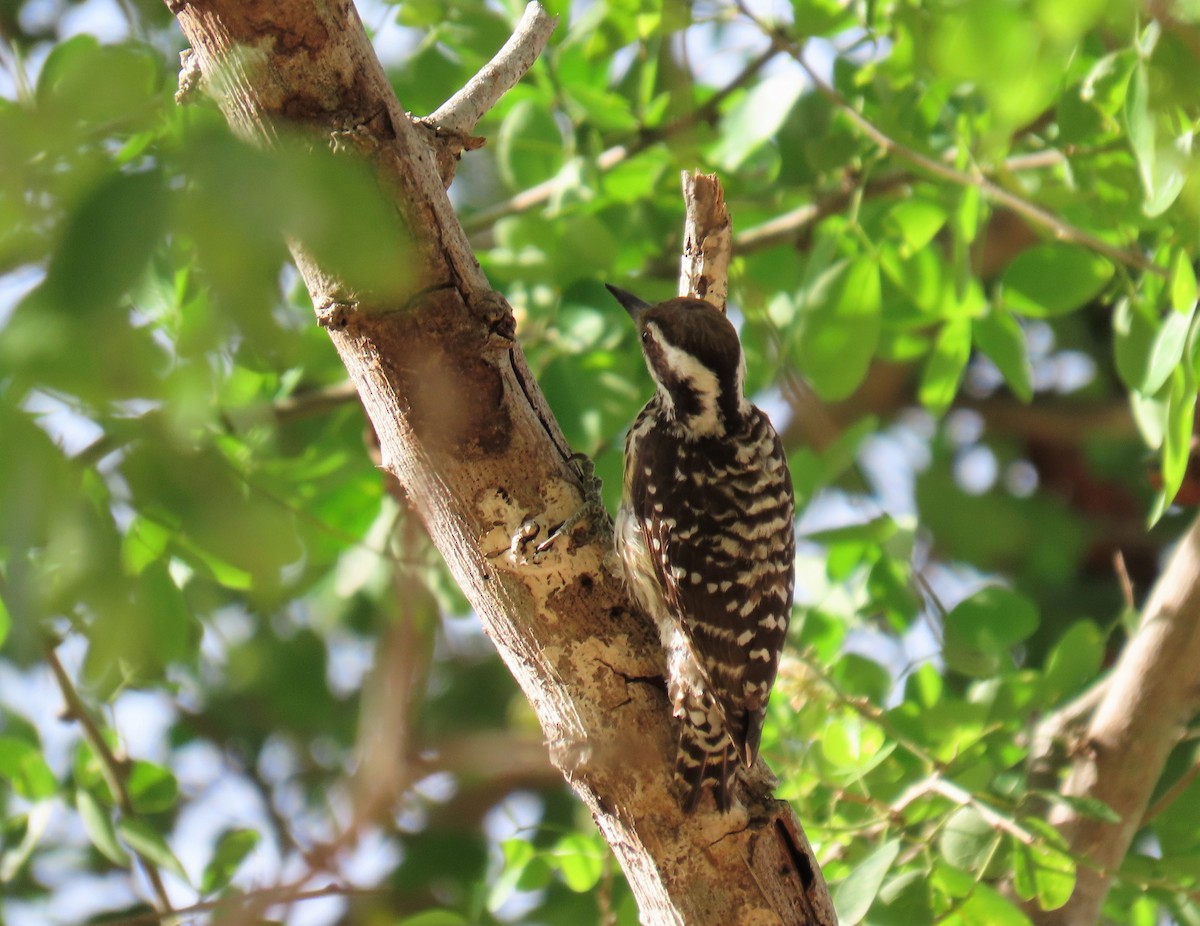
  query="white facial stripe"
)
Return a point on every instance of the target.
[{"x": 700, "y": 378}]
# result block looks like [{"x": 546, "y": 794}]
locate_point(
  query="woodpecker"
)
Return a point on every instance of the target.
[{"x": 705, "y": 538}]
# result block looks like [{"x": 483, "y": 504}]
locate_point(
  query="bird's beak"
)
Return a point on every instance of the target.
[{"x": 631, "y": 303}]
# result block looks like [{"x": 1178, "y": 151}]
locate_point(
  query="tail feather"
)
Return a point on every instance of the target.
[{"x": 706, "y": 759}]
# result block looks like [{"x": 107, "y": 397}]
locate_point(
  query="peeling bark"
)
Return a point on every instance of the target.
[{"x": 464, "y": 428}]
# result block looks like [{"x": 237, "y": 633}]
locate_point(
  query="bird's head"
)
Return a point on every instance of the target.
[{"x": 695, "y": 358}]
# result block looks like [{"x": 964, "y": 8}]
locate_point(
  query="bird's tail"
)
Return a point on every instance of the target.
[{"x": 706, "y": 759}]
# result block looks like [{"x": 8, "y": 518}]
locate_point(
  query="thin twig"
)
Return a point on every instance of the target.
[
  {"x": 112, "y": 768},
  {"x": 1060, "y": 228}
]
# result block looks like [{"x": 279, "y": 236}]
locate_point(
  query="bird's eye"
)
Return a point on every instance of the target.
[{"x": 645, "y": 337}]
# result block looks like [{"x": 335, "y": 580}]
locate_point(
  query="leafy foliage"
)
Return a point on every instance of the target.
[{"x": 192, "y": 531}]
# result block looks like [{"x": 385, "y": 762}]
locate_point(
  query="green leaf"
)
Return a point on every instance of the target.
[
  {"x": 877, "y": 530},
  {"x": 917, "y": 221},
  {"x": 5, "y": 622},
  {"x": 1052, "y": 279},
  {"x": 145, "y": 840},
  {"x": 1043, "y": 870},
  {"x": 518, "y": 854},
  {"x": 98, "y": 823},
  {"x": 35, "y": 823},
  {"x": 1135, "y": 330},
  {"x": 1002, "y": 339},
  {"x": 23, "y": 765},
  {"x": 1167, "y": 350},
  {"x": 838, "y": 328},
  {"x": 1139, "y": 121},
  {"x": 987, "y": 907},
  {"x": 151, "y": 787},
  {"x": 108, "y": 242},
  {"x": 580, "y": 860},
  {"x": 1090, "y": 807},
  {"x": 944, "y": 369},
  {"x": 968, "y": 841},
  {"x": 849, "y": 743},
  {"x": 1183, "y": 283},
  {"x": 854, "y": 896},
  {"x": 1163, "y": 165},
  {"x": 980, "y": 630},
  {"x": 231, "y": 850},
  {"x": 529, "y": 145},
  {"x": 434, "y": 918},
  {"x": 1177, "y": 441},
  {"x": 1073, "y": 661},
  {"x": 755, "y": 119}
]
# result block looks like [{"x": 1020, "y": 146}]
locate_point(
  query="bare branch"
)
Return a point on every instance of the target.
[
  {"x": 459, "y": 114},
  {"x": 452, "y": 123}
]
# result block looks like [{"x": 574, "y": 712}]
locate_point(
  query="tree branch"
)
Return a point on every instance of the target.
[
  {"x": 1151, "y": 694},
  {"x": 465, "y": 430},
  {"x": 453, "y": 121},
  {"x": 461, "y": 112}
]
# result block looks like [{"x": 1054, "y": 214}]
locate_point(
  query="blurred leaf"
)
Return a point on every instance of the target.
[
  {"x": 980, "y": 630},
  {"x": 1074, "y": 661},
  {"x": 1001, "y": 338},
  {"x": 755, "y": 119},
  {"x": 580, "y": 860},
  {"x": 529, "y": 145},
  {"x": 24, "y": 767},
  {"x": 232, "y": 848},
  {"x": 946, "y": 365},
  {"x": 32, "y": 829},
  {"x": 99, "y": 825},
  {"x": 1177, "y": 440},
  {"x": 969, "y": 842},
  {"x": 1051, "y": 279},
  {"x": 1043, "y": 870},
  {"x": 853, "y": 897},
  {"x": 1167, "y": 349},
  {"x": 839, "y": 327},
  {"x": 434, "y": 918},
  {"x": 1135, "y": 332},
  {"x": 518, "y": 854},
  {"x": 1183, "y": 283},
  {"x": 987, "y": 907},
  {"x": 152, "y": 788},
  {"x": 147, "y": 842},
  {"x": 917, "y": 221},
  {"x": 1163, "y": 166},
  {"x": 108, "y": 242}
]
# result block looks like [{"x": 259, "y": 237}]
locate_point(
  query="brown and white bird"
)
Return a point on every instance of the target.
[{"x": 705, "y": 537}]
